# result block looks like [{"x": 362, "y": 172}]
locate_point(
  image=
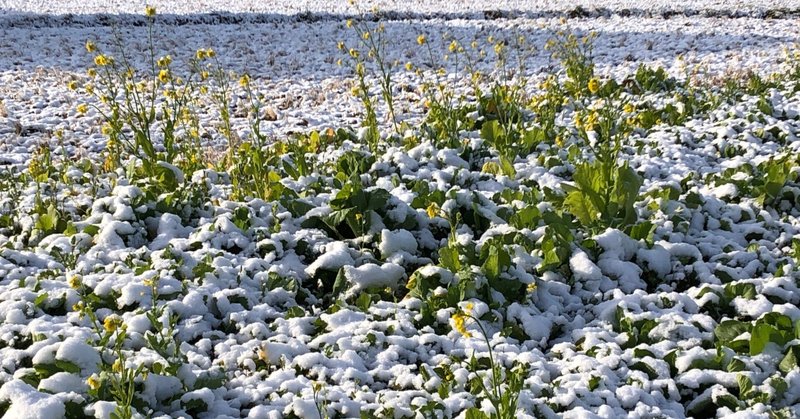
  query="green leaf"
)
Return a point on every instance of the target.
[
  {"x": 644, "y": 367},
  {"x": 789, "y": 361},
  {"x": 735, "y": 365},
  {"x": 729, "y": 330},
  {"x": 496, "y": 261},
  {"x": 340, "y": 285},
  {"x": 745, "y": 386},
  {"x": 491, "y": 131},
  {"x": 448, "y": 258},
  {"x": 40, "y": 299},
  {"x": 67, "y": 366},
  {"x": 582, "y": 208},
  {"x": 594, "y": 382},
  {"x": 527, "y": 217},
  {"x": 475, "y": 413},
  {"x": 364, "y": 301},
  {"x": 744, "y": 290},
  {"x": 727, "y": 400},
  {"x": 694, "y": 200},
  {"x": 295, "y": 311},
  {"x": 643, "y": 231},
  {"x": 760, "y": 336}
]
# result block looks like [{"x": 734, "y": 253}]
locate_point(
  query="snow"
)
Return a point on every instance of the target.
[
  {"x": 397, "y": 241},
  {"x": 371, "y": 275},
  {"x": 26, "y": 402},
  {"x": 336, "y": 256},
  {"x": 79, "y": 353},
  {"x": 62, "y": 382}
]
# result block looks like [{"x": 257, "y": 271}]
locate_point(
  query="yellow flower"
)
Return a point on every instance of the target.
[
  {"x": 432, "y": 210},
  {"x": 90, "y": 46},
  {"x": 117, "y": 365},
  {"x": 75, "y": 281},
  {"x": 349, "y": 23},
  {"x": 360, "y": 69},
  {"x": 340, "y": 45},
  {"x": 150, "y": 11},
  {"x": 409, "y": 66},
  {"x": 112, "y": 323},
  {"x": 316, "y": 386},
  {"x": 91, "y": 73},
  {"x": 101, "y": 60},
  {"x": 200, "y": 54},
  {"x": 460, "y": 324},
  {"x": 498, "y": 48},
  {"x": 163, "y": 76},
  {"x": 365, "y": 35},
  {"x": 453, "y": 46},
  {"x": 474, "y": 44},
  {"x": 628, "y": 108},
  {"x": 421, "y": 39},
  {"x": 93, "y": 381},
  {"x": 83, "y": 108},
  {"x": 164, "y": 61},
  {"x": 531, "y": 287},
  {"x": 72, "y": 85},
  {"x": 353, "y": 53},
  {"x": 594, "y": 86},
  {"x": 211, "y": 53},
  {"x": 244, "y": 81}
]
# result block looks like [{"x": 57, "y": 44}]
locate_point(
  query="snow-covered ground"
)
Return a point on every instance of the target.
[{"x": 626, "y": 329}]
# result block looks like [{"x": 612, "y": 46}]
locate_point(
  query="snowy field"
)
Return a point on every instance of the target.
[{"x": 512, "y": 245}]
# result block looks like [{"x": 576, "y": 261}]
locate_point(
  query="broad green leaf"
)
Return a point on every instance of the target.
[
  {"x": 729, "y": 330},
  {"x": 789, "y": 361},
  {"x": 448, "y": 258},
  {"x": 475, "y": 413},
  {"x": 744, "y": 290},
  {"x": 745, "y": 386}
]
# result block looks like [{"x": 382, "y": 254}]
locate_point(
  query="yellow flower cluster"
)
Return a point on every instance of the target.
[
  {"x": 93, "y": 381},
  {"x": 150, "y": 11},
  {"x": 587, "y": 122},
  {"x": 102, "y": 60},
  {"x": 202, "y": 54},
  {"x": 164, "y": 61},
  {"x": 112, "y": 323},
  {"x": 460, "y": 323},
  {"x": 628, "y": 108},
  {"x": 594, "y": 86},
  {"x": 432, "y": 210}
]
